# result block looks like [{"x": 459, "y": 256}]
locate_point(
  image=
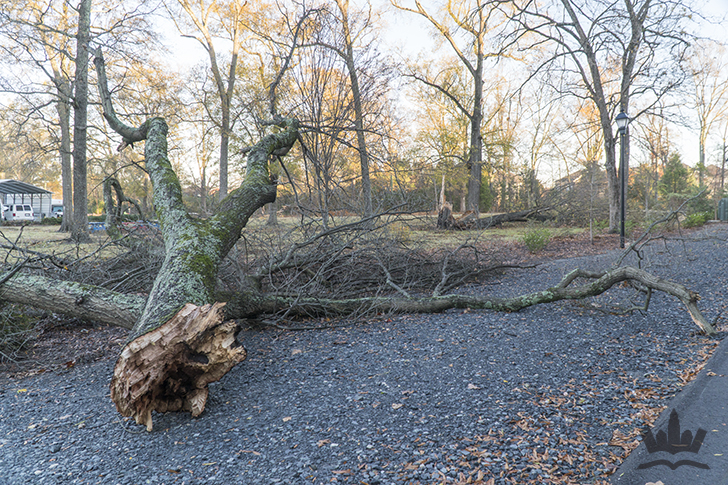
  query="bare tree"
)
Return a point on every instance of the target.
[
  {"x": 706, "y": 67},
  {"x": 210, "y": 20},
  {"x": 40, "y": 36},
  {"x": 40, "y": 41},
  {"x": 655, "y": 140},
  {"x": 609, "y": 52},
  {"x": 346, "y": 53},
  {"x": 465, "y": 27},
  {"x": 79, "y": 229}
]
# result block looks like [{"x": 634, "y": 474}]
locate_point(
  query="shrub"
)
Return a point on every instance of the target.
[
  {"x": 601, "y": 225},
  {"x": 631, "y": 226},
  {"x": 536, "y": 239},
  {"x": 696, "y": 220}
]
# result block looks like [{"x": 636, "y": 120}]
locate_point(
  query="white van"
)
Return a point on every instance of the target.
[{"x": 18, "y": 212}]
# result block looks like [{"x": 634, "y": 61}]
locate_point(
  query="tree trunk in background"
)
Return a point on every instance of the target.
[
  {"x": 79, "y": 229},
  {"x": 475, "y": 157},
  {"x": 272, "y": 209},
  {"x": 63, "y": 107},
  {"x": 348, "y": 54}
]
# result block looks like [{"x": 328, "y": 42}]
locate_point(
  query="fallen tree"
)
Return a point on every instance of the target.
[
  {"x": 124, "y": 310},
  {"x": 469, "y": 220},
  {"x": 181, "y": 334},
  {"x": 194, "y": 250}
]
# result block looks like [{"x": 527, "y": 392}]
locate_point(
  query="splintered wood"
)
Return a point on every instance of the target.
[{"x": 169, "y": 368}]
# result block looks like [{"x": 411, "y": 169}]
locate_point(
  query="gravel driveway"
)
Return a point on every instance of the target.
[{"x": 552, "y": 394}]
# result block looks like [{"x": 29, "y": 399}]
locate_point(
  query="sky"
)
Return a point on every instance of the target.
[{"x": 408, "y": 35}]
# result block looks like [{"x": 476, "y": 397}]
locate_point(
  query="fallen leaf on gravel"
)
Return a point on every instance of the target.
[
  {"x": 342, "y": 472},
  {"x": 22, "y": 390},
  {"x": 174, "y": 471},
  {"x": 397, "y": 405},
  {"x": 296, "y": 352},
  {"x": 287, "y": 418},
  {"x": 323, "y": 442},
  {"x": 472, "y": 386},
  {"x": 627, "y": 442},
  {"x": 654, "y": 483}
]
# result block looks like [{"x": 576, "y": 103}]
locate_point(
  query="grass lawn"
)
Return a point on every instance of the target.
[
  {"x": 48, "y": 240},
  {"x": 415, "y": 229},
  {"x": 421, "y": 229}
]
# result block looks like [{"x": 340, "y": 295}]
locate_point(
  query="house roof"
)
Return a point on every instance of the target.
[{"x": 8, "y": 186}]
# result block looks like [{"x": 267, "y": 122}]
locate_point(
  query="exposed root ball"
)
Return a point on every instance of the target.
[{"x": 169, "y": 368}]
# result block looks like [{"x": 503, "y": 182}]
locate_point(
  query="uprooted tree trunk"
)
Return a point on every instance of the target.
[{"x": 194, "y": 250}]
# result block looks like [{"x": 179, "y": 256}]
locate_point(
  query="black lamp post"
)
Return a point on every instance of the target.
[{"x": 622, "y": 121}]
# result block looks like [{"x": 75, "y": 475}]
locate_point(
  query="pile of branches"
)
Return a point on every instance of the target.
[
  {"x": 368, "y": 266},
  {"x": 375, "y": 258}
]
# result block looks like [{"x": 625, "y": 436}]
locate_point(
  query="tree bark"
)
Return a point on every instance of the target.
[
  {"x": 63, "y": 107},
  {"x": 79, "y": 228},
  {"x": 475, "y": 158},
  {"x": 113, "y": 308},
  {"x": 86, "y": 302}
]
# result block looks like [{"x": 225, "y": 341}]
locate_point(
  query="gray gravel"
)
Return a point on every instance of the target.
[{"x": 529, "y": 397}]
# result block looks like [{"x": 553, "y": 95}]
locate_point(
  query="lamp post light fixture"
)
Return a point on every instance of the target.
[{"x": 622, "y": 121}]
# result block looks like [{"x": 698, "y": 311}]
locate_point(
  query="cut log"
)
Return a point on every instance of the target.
[{"x": 169, "y": 368}]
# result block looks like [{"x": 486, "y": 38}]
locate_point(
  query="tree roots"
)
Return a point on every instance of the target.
[{"x": 168, "y": 369}]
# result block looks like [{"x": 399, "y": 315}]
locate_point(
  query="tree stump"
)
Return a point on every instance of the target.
[
  {"x": 169, "y": 368},
  {"x": 445, "y": 219}
]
